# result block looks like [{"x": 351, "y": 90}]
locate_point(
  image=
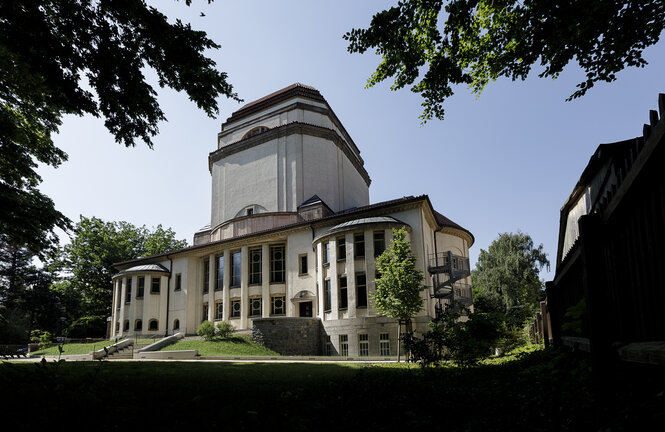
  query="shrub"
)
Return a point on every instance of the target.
[
  {"x": 44, "y": 338},
  {"x": 224, "y": 329},
  {"x": 206, "y": 330}
]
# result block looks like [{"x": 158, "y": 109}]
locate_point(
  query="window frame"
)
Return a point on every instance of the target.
[
  {"x": 219, "y": 310},
  {"x": 302, "y": 269},
  {"x": 359, "y": 244},
  {"x": 236, "y": 269},
  {"x": 327, "y": 295},
  {"x": 150, "y": 325},
  {"x": 381, "y": 241},
  {"x": 232, "y": 311},
  {"x": 361, "y": 291},
  {"x": 255, "y": 277},
  {"x": 344, "y": 345},
  {"x": 152, "y": 284},
  {"x": 251, "y": 311},
  {"x": 363, "y": 345},
  {"x": 176, "y": 321},
  {"x": 138, "y": 325},
  {"x": 341, "y": 248},
  {"x": 178, "y": 282},
  {"x": 206, "y": 276},
  {"x": 342, "y": 295},
  {"x": 326, "y": 254},
  {"x": 277, "y": 266},
  {"x": 140, "y": 287},
  {"x": 219, "y": 272},
  {"x": 128, "y": 291},
  {"x": 384, "y": 344},
  {"x": 206, "y": 311},
  {"x": 273, "y": 308}
]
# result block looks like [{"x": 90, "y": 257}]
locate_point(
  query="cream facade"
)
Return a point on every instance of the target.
[{"x": 292, "y": 238}]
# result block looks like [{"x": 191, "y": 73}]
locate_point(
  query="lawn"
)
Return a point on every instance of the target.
[
  {"x": 237, "y": 346},
  {"x": 543, "y": 391},
  {"x": 82, "y": 348}
]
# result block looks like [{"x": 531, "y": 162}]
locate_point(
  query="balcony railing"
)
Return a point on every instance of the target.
[{"x": 441, "y": 262}]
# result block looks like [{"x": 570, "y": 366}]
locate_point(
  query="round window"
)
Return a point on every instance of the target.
[
  {"x": 256, "y": 304},
  {"x": 278, "y": 303},
  {"x": 256, "y": 258},
  {"x": 236, "y": 306}
]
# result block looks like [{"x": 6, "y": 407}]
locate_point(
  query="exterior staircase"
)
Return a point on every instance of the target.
[
  {"x": 124, "y": 353},
  {"x": 448, "y": 272}
]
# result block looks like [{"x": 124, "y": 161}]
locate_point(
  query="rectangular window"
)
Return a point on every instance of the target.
[
  {"x": 206, "y": 276},
  {"x": 219, "y": 273},
  {"x": 326, "y": 296},
  {"x": 303, "y": 264},
  {"x": 328, "y": 346},
  {"x": 205, "y": 312},
  {"x": 235, "y": 269},
  {"x": 178, "y": 282},
  {"x": 278, "y": 305},
  {"x": 255, "y": 266},
  {"x": 363, "y": 345},
  {"x": 219, "y": 310},
  {"x": 379, "y": 242},
  {"x": 344, "y": 345},
  {"x": 128, "y": 291},
  {"x": 361, "y": 290},
  {"x": 235, "y": 308},
  {"x": 118, "y": 293},
  {"x": 341, "y": 249},
  {"x": 343, "y": 297},
  {"x": 255, "y": 306},
  {"x": 359, "y": 245},
  {"x": 155, "y": 285},
  {"x": 277, "y": 264},
  {"x": 326, "y": 253},
  {"x": 384, "y": 344}
]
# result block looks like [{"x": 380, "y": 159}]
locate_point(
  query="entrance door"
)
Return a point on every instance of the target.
[{"x": 306, "y": 309}]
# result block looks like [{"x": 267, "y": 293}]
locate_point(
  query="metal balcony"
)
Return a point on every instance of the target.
[{"x": 445, "y": 262}]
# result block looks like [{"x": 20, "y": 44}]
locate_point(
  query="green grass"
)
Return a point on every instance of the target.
[
  {"x": 237, "y": 346},
  {"x": 83, "y": 348},
  {"x": 544, "y": 390}
]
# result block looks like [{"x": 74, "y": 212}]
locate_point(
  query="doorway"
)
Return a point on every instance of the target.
[{"x": 305, "y": 309}]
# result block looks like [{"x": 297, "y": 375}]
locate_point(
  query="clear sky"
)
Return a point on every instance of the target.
[{"x": 503, "y": 162}]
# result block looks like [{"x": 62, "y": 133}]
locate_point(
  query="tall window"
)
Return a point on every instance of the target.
[
  {"x": 326, "y": 253},
  {"x": 205, "y": 312},
  {"x": 328, "y": 346},
  {"x": 343, "y": 297},
  {"x": 255, "y": 266},
  {"x": 278, "y": 305},
  {"x": 128, "y": 295},
  {"x": 155, "y": 283},
  {"x": 344, "y": 345},
  {"x": 141, "y": 287},
  {"x": 359, "y": 245},
  {"x": 303, "y": 264},
  {"x": 219, "y": 273},
  {"x": 235, "y": 268},
  {"x": 363, "y": 345},
  {"x": 219, "y": 310},
  {"x": 361, "y": 290},
  {"x": 235, "y": 308},
  {"x": 384, "y": 344},
  {"x": 206, "y": 276},
  {"x": 126, "y": 326},
  {"x": 255, "y": 306},
  {"x": 153, "y": 325},
  {"x": 138, "y": 325},
  {"x": 176, "y": 324},
  {"x": 379, "y": 242},
  {"x": 178, "y": 282},
  {"x": 277, "y": 264},
  {"x": 341, "y": 249},
  {"x": 326, "y": 296}
]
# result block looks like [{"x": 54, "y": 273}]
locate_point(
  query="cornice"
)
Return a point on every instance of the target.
[{"x": 286, "y": 130}]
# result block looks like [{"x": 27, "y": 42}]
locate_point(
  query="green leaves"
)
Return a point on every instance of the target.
[
  {"x": 476, "y": 42},
  {"x": 398, "y": 289}
]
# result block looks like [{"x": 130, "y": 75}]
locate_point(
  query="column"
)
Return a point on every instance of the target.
[
  {"x": 244, "y": 290},
  {"x": 334, "y": 280},
  {"x": 319, "y": 278},
  {"x": 121, "y": 319},
  {"x": 114, "y": 305},
  {"x": 163, "y": 304},
  {"x": 370, "y": 269},
  {"x": 350, "y": 276},
  {"x": 212, "y": 278},
  {"x": 227, "y": 285},
  {"x": 265, "y": 279}
]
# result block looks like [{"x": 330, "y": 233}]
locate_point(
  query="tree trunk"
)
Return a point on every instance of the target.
[{"x": 399, "y": 339}]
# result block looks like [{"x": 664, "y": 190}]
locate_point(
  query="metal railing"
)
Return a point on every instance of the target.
[{"x": 444, "y": 259}]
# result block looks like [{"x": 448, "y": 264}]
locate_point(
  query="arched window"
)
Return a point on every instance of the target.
[
  {"x": 176, "y": 324},
  {"x": 138, "y": 325},
  {"x": 126, "y": 326},
  {"x": 153, "y": 325},
  {"x": 257, "y": 130}
]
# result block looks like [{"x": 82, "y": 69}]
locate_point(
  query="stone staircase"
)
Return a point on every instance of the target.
[{"x": 124, "y": 353}]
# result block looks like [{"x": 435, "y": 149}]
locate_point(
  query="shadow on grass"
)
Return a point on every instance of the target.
[{"x": 545, "y": 390}]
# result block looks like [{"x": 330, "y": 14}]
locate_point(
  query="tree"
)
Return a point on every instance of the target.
[
  {"x": 476, "y": 42},
  {"x": 398, "y": 288},
  {"x": 95, "y": 246},
  {"x": 46, "y": 47},
  {"x": 506, "y": 278}
]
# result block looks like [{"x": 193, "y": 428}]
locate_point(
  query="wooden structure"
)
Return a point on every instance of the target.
[{"x": 609, "y": 286}]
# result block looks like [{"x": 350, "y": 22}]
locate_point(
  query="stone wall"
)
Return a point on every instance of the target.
[{"x": 289, "y": 336}]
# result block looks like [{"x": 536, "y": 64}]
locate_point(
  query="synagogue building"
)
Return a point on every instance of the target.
[{"x": 290, "y": 249}]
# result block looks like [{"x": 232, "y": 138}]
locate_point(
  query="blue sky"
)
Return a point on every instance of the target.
[{"x": 503, "y": 162}]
